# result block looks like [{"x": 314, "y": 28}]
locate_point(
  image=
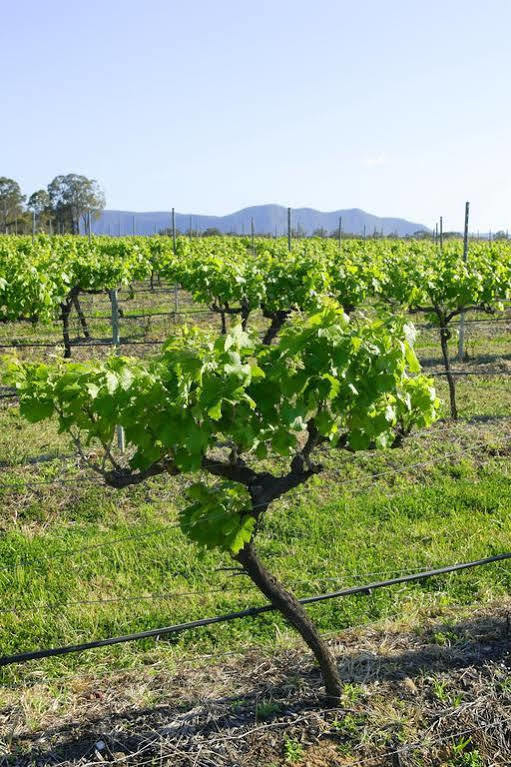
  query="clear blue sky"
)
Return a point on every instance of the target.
[{"x": 399, "y": 108}]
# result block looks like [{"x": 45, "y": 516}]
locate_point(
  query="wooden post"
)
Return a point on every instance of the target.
[
  {"x": 90, "y": 225},
  {"x": 289, "y": 229},
  {"x": 340, "y": 231},
  {"x": 252, "y": 231},
  {"x": 33, "y": 225},
  {"x": 441, "y": 232},
  {"x": 176, "y": 287},
  {"x": 461, "y": 337},
  {"x": 116, "y": 338}
]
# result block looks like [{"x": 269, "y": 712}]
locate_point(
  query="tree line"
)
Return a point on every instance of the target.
[{"x": 62, "y": 207}]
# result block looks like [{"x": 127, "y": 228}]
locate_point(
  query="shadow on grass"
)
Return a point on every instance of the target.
[
  {"x": 472, "y": 364},
  {"x": 203, "y": 730}
]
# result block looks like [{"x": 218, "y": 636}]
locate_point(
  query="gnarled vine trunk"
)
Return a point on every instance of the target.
[
  {"x": 445, "y": 334},
  {"x": 65, "y": 308},
  {"x": 295, "y": 614},
  {"x": 277, "y": 321},
  {"x": 81, "y": 316}
]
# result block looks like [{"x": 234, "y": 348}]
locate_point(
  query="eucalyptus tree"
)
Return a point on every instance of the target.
[
  {"x": 72, "y": 198},
  {"x": 11, "y": 202}
]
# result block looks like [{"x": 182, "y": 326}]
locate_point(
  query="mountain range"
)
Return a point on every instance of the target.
[{"x": 268, "y": 219}]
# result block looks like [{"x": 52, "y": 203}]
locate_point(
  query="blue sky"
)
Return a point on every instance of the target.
[{"x": 399, "y": 108}]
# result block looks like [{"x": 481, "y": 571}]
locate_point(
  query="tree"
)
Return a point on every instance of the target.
[
  {"x": 211, "y": 231},
  {"x": 11, "y": 202},
  {"x": 72, "y": 197},
  {"x": 167, "y": 232},
  {"x": 221, "y": 407},
  {"x": 39, "y": 203},
  {"x": 320, "y": 232},
  {"x": 298, "y": 232}
]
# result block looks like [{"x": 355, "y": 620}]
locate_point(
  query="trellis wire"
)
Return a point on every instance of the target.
[
  {"x": 365, "y": 589},
  {"x": 50, "y": 607},
  {"x": 243, "y": 650}
]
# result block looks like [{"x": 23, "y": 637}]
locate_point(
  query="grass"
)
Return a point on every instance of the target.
[
  {"x": 445, "y": 497},
  {"x": 81, "y": 543}
]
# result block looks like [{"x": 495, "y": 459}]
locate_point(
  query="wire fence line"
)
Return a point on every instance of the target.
[
  {"x": 366, "y": 589},
  {"x": 292, "y": 644},
  {"x": 482, "y": 321},
  {"x": 394, "y": 471},
  {"x": 109, "y": 542},
  {"x": 170, "y": 596},
  {"x": 417, "y": 572},
  {"x": 85, "y": 344},
  {"x": 91, "y": 547},
  {"x": 186, "y": 312},
  {"x": 223, "y": 589},
  {"x": 360, "y": 483},
  {"x": 359, "y": 589},
  {"x": 201, "y": 309},
  {"x": 133, "y": 342},
  {"x": 468, "y": 373},
  {"x": 46, "y": 482}
]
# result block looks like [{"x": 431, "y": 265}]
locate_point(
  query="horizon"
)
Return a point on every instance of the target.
[
  {"x": 472, "y": 232},
  {"x": 369, "y": 108}
]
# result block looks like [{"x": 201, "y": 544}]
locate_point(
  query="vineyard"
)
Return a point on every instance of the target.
[{"x": 307, "y": 410}]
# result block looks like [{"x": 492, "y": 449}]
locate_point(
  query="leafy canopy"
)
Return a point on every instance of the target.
[{"x": 352, "y": 384}]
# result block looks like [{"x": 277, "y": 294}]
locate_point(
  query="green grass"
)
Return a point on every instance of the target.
[
  {"x": 321, "y": 538},
  {"x": 445, "y": 497}
]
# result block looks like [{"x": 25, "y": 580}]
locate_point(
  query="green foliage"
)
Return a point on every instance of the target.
[
  {"x": 293, "y": 750},
  {"x": 233, "y": 276},
  {"x": 216, "y": 518},
  {"x": 268, "y": 708},
  {"x": 441, "y": 282},
  {"x": 464, "y": 758},
  {"x": 37, "y": 277},
  {"x": 350, "y": 380},
  {"x": 439, "y": 690}
]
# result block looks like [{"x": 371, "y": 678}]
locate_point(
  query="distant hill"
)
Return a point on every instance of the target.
[{"x": 268, "y": 219}]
